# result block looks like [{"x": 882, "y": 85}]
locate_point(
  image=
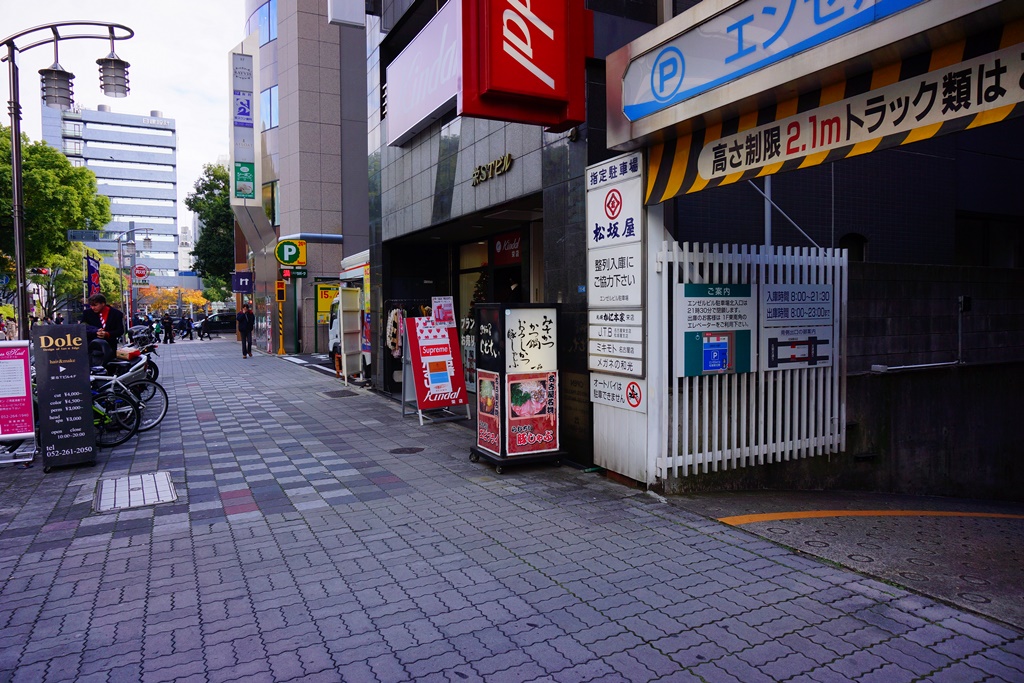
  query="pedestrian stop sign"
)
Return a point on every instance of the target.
[{"x": 291, "y": 252}]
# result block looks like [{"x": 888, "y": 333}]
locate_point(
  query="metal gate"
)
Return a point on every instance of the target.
[{"x": 725, "y": 421}]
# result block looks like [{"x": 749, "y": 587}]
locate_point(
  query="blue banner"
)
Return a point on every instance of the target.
[
  {"x": 241, "y": 282},
  {"x": 92, "y": 275}
]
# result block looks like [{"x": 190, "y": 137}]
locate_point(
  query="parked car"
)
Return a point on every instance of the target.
[{"x": 221, "y": 322}]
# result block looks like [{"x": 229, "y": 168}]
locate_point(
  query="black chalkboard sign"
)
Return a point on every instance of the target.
[{"x": 63, "y": 395}]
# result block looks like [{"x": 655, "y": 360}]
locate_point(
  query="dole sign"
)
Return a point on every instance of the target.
[{"x": 521, "y": 62}]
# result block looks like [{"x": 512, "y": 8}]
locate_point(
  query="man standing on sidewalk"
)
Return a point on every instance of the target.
[{"x": 246, "y": 323}]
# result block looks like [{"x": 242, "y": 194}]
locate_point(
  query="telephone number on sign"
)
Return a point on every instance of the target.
[{"x": 69, "y": 451}]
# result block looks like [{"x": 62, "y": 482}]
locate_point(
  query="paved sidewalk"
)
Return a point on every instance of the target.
[{"x": 322, "y": 537}]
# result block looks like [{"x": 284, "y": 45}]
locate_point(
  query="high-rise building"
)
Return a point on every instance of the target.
[{"x": 134, "y": 158}]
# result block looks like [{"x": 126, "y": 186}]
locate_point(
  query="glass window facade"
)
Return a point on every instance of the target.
[
  {"x": 265, "y": 20},
  {"x": 269, "y": 108},
  {"x": 270, "y": 203}
]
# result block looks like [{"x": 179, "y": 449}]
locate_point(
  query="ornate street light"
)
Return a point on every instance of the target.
[{"x": 57, "y": 92}]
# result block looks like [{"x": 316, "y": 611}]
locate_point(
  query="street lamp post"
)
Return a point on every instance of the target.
[{"x": 57, "y": 92}]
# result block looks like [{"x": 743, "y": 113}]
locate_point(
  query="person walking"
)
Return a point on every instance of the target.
[
  {"x": 246, "y": 322},
  {"x": 189, "y": 325},
  {"x": 168, "y": 326}
]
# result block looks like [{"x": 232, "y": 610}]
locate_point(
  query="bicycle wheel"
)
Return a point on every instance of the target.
[
  {"x": 152, "y": 371},
  {"x": 152, "y": 400},
  {"x": 116, "y": 418}
]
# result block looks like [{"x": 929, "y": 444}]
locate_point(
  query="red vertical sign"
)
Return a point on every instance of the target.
[{"x": 436, "y": 364}]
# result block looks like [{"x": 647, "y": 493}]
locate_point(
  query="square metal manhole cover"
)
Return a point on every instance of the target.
[
  {"x": 133, "y": 491},
  {"x": 338, "y": 393}
]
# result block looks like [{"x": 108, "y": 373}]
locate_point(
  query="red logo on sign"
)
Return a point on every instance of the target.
[
  {"x": 141, "y": 271},
  {"x": 613, "y": 204},
  {"x": 633, "y": 395},
  {"x": 525, "y": 61}
]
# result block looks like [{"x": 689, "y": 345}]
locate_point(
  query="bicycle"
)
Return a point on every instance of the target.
[{"x": 150, "y": 396}]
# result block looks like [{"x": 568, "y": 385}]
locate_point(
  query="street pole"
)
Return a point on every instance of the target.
[
  {"x": 131, "y": 274},
  {"x": 56, "y": 92},
  {"x": 17, "y": 195}
]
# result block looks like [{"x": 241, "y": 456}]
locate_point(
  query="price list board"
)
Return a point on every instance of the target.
[{"x": 63, "y": 395}]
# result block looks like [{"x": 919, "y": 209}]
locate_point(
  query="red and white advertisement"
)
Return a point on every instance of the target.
[
  {"x": 436, "y": 364},
  {"x": 488, "y": 414},
  {"x": 15, "y": 391},
  {"x": 524, "y": 61},
  {"x": 532, "y": 400}
]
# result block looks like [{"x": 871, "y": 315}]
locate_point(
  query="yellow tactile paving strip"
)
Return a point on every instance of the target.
[{"x": 739, "y": 520}]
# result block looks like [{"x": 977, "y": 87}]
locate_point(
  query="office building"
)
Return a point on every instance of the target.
[{"x": 134, "y": 159}]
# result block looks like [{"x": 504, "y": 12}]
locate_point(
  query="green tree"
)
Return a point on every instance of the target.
[
  {"x": 214, "y": 251},
  {"x": 58, "y": 197},
  {"x": 62, "y": 289},
  {"x": 216, "y": 289}
]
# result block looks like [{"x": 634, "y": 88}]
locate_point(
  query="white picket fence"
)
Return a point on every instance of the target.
[{"x": 725, "y": 421}]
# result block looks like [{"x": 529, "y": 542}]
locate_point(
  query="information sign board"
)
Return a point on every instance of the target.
[
  {"x": 718, "y": 322},
  {"x": 66, "y": 432},
  {"x": 615, "y": 276},
  {"x": 619, "y": 392},
  {"x": 796, "y": 326}
]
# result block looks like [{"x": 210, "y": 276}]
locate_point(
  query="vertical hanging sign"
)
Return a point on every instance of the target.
[
  {"x": 436, "y": 364},
  {"x": 242, "y": 136}
]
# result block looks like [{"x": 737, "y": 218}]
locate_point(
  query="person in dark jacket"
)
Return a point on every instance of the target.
[
  {"x": 246, "y": 322},
  {"x": 104, "y": 323},
  {"x": 168, "y": 326}
]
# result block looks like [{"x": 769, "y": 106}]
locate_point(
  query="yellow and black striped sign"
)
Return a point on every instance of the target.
[{"x": 952, "y": 88}]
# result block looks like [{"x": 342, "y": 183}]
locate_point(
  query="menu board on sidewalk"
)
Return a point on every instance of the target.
[
  {"x": 15, "y": 392},
  {"x": 66, "y": 434}
]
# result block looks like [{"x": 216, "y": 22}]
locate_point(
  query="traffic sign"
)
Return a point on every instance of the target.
[
  {"x": 140, "y": 271},
  {"x": 291, "y": 252},
  {"x": 5, "y": 280}
]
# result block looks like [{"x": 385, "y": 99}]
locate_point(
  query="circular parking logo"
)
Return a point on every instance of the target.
[{"x": 667, "y": 74}]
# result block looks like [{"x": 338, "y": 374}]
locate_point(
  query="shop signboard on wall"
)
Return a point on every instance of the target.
[
  {"x": 717, "y": 324},
  {"x": 325, "y": 295},
  {"x": 436, "y": 364},
  {"x": 506, "y": 248},
  {"x": 796, "y": 326},
  {"x": 63, "y": 394},
  {"x": 16, "y": 416},
  {"x": 532, "y": 400}
]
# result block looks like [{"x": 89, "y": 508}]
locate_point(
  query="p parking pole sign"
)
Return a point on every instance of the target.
[{"x": 291, "y": 252}]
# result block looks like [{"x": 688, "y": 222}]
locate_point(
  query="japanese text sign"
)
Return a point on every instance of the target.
[
  {"x": 748, "y": 36},
  {"x": 619, "y": 392},
  {"x": 614, "y": 276},
  {"x": 964, "y": 89},
  {"x": 530, "y": 339}
]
